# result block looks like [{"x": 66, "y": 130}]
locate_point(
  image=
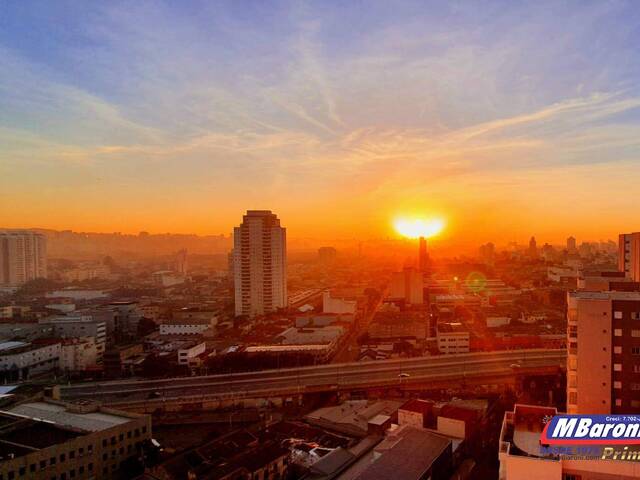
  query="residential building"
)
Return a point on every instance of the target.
[
  {"x": 46, "y": 440},
  {"x": 23, "y": 257},
  {"x": 603, "y": 363},
  {"x": 260, "y": 264},
  {"x": 629, "y": 255},
  {"x": 407, "y": 285}
]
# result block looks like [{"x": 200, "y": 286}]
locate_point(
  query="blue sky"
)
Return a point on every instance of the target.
[{"x": 178, "y": 115}]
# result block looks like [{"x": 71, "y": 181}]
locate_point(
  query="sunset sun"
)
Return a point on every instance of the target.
[{"x": 419, "y": 227}]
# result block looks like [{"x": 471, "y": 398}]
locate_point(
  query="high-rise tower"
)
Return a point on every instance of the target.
[
  {"x": 259, "y": 264},
  {"x": 23, "y": 256},
  {"x": 423, "y": 255}
]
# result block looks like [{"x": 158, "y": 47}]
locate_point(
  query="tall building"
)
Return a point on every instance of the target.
[
  {"x": 629, "y": 255},
  {"x": 260, "y": 264},
  {"x": 23, "y": 256},
  {"x": 407, "y": 285},
  {"x": 423, "y": 255},
  {"x": 571, "y": 245},
  {"x": 181, "y": 264},
  {"x": 533, "y": 248},
  {"x": 603, "y": 362}
]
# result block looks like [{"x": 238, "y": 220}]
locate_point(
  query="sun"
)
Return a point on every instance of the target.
[{"x": 419, "y": 227}]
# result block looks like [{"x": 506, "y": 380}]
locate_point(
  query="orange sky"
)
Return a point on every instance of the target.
[{"x": 505, "y": 120}]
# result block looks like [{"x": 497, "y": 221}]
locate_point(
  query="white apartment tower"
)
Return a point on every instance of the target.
[
  {"x": 259, "y": 264},
  {"x": 23, "y": 256}
]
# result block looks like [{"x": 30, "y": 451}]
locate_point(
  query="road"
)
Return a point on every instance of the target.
[{"x": 322, "y": 378}]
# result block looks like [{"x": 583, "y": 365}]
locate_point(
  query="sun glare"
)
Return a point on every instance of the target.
[{"x": 419, "y": 227}]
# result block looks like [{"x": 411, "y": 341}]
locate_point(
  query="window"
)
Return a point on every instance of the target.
[
  {"x": 104, "y": 456},
  {"x": 104, "y": 442},
  {"x": 72, "y": 454},
  {"x": 635, "y": 315},
  {"x": 617, "y": 385},
  {"x": 22, "y": 471},
  {"x": 81, "y": 470},
  {"x": 635, "y": 403},
  {"x": 43, "y": 464},
  {"x": 617, "y": 349},
  {"x": 618, "y": 402},
  {"x": 144, "y": 429},
  {"x": 617, "y": 332},
  {"x": 72, "y": 473},
  {"x": 90, "y": 467},
  {"x": 636, "y": 368},
  {"x": 137, "y": 432},
  {"x": 635, "y": 386},
  {"x": 62, "y": 457},
  {"x": 129, "y": 434},
  {"x": 635, "y": 350},
  {"x": 617, "y": 315},
  {"x": 52, "y": 461},
  {"x": 121, "y": 437},
  {"x": 617, "y": 367},
  {"x": 32, "y": 467}
]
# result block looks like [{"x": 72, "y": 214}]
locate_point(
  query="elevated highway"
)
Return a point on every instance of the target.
[{"x": 213, "y": 391}]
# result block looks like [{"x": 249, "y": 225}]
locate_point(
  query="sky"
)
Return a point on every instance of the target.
[{"x": 506, "y": 118}]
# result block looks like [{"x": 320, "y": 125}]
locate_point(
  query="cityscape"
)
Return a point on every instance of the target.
[{"x": 319, "y": 240}]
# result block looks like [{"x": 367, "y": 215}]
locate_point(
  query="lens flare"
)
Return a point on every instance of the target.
[{"x": 419, "y": 227}]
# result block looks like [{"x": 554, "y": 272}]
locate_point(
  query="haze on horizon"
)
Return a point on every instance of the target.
[{"x": 506, "y": 120}]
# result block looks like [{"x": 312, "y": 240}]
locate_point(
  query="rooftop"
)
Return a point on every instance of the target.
[
  {"x": 59, "y": 414},
  {"x": 409, "y": 458}
]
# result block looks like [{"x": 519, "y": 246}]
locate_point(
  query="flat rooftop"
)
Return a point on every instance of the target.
[
  {"x": 609, "y": 295},
  {"x": 59, "y": 415}
]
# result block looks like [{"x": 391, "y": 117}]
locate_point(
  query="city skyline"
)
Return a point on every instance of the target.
[{"x": 333, "y": 116}]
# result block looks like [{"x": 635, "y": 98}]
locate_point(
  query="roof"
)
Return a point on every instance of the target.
[
  {"x": 418, "y": 406},
  {"x": 331, "y": 463},
  {"x": 11, "y": 345},
  {"x": 58, "y": 414},
  {"x": 409, "y": 458}
]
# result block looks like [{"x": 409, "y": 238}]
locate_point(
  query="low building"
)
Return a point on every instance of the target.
[
  {"x": 115, "y": 358},
  {"x": 189, "y": 353},
  {"x": 46, "y": 440},
  {"x": 79, "y": 326},
  {"x": 21, "y": 361},
  {"x": 236, "y": 455},
  {"x": 352, "y": 417},
  {"x": 187, "y": 326},
  {"x": 411, "y": 454},
  {"x": 337, "y": 305},
  {"x": 452, "y": 338},
  {"x": 80, "y": 354}
]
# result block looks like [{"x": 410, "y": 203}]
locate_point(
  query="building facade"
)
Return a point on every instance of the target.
[
  {"x": 629, "y": 255},
  {"x": 23, "y": 257},
  {"x": 46, "y": 440},
  {"x": 260, "y": 257},
  {"x": 603, "y": 362}
]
